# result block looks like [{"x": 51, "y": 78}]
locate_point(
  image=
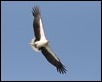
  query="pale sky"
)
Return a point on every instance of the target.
[{"x": 73, "y": 29}]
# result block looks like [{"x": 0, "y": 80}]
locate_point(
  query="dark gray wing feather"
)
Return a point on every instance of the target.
[
  {"x": 52, "y": 58},
  {"x": 36, "y": 23}
]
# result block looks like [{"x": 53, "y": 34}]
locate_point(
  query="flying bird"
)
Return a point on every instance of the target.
[{"x": 40, "y": 43}]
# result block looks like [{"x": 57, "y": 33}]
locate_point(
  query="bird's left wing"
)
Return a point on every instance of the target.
[
  {"x": 37, "y": 24},
  {"x": 53, "y": 59}
]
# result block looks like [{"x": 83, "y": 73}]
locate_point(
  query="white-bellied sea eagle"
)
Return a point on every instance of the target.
[{"x": 40, "y": 43}]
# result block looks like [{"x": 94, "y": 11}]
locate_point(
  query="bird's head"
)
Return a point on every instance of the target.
[{"x": 31, "y": 42}]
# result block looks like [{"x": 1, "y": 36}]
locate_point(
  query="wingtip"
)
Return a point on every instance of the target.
[
  {"x": 35, "y": 11},
  {"x": 61, "y": 69}
]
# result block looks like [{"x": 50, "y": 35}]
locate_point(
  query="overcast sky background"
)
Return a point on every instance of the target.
[{"x": 74, "y": 32}]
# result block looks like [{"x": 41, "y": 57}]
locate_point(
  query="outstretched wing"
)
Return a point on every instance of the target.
[
  {"x": 37, "y": 24},
  {"x": 53, "y": 59}
]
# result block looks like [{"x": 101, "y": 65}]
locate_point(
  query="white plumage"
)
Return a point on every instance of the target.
[{"x": 40, "y": 43}]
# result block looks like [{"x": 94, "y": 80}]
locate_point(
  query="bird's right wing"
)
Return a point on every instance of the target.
[{"x": 53, "y": 59}]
